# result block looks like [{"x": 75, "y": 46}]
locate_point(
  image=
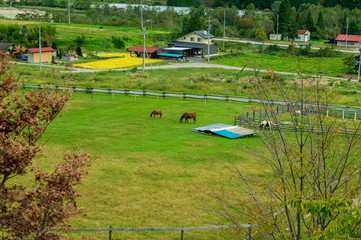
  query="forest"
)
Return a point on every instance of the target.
[
  {"x": 241, "y": 4},
  {"x": 324, "y": 22}
]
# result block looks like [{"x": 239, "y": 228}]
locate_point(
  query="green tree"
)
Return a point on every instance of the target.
[
  {"x": 285, "y": 15},
  {"x": 353, "y": 28},
  {"x": 320, "y": 22},
  {"x": 309, "y": 22},
  {"x": 261, "y": 34}
]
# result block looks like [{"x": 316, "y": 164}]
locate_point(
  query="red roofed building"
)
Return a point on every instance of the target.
[
  {"x": 352, "y": 40},
  {"x": 152, "y": 52},
  {"x": 34, "y": 54},
  {"x": 303, "y": 36}
]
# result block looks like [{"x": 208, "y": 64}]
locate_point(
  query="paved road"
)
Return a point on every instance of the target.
[
  {"x": 182, "y": 65},
  {"x": 280, "y": 44}
]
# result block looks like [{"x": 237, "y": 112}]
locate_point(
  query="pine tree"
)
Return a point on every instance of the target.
[
  {"x": 320, "y": 22},
  {"x": 309, "y": 22},
  {"x": 285, "y": 14}
]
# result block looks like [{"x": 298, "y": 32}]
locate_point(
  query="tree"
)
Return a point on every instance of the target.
[
  {"x": 313, "y": 188},
  {"x": 78, "y": 51},
  {"x": 245, "y": 24},
  {"x": 291, "y": 31},
  {"x": 261, "y": 34},
  {"x": 320, "y": 22},
  {"x": 309, "y": 22},
  {"x": 30, "y": 212},
  {"x": 354, "y": 29},
  {"x": 285, "y": 14}
]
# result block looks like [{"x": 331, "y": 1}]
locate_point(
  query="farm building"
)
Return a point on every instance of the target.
[
  {"x": 175, "y": 53},
  {"x": 303, "y": 36},
  {"x": 352, "y": 40},
  {"x": 275, "y": 37},
  {"x": 33, "y": 54},
  {"x": 152, "y": 52},
  {"x": 4, "y": 46},
  {"x": 197, "y": 43}
]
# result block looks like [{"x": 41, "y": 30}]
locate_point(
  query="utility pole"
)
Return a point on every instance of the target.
[
  {"x": 346, "y": 32},
  {"x": 11, "y": 10},
  {"x": 143, "y": 29},
  {"x": 40, "y": 46},
  {"x": 224, "y": 27},
  {"x": 209, "y": 33},
  {"x": 69, "y": 10},
  {"x": 278, "y": 16}
]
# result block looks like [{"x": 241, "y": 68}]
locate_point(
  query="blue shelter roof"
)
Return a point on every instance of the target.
[
  {"x": 225, "y": 130},
  {"x": 169, "y": 55}
]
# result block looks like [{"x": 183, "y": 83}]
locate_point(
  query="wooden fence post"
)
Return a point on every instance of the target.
[
  {"x": 250, "y": 232},
  {"x": 254, "y": 116},
  {"x": 110, "y": 233}
]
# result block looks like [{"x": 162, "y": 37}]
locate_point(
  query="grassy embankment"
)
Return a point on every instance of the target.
[
  {"x": 151, "y": 171},
  {"x": 203, "y": 81}
]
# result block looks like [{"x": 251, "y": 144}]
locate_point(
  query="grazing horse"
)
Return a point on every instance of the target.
[
  {"x": 186, "y": 116},
  {"x": 156, "y": 112},
  {"x": 265, "y": 124}
]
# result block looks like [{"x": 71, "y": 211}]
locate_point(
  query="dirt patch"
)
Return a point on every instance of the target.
[{"x": 11, "y": 13}]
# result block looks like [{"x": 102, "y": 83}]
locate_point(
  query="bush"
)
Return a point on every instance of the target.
[
  {"x": 273, "y": 48},
  {"x": 327, "y": 52},
  {"x": 118, "y": 43},
  {"x": 79, "y": 52}
]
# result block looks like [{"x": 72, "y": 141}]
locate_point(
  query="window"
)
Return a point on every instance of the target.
[
  {"x": 199, "y": 39},
  {"x": 193, "y": 39},
  {"x": 184, "y": 38}
]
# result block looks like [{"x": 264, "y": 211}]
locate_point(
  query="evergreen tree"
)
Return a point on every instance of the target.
[
  {"x": 53, "y": 46},
  {"x": 309, "y": 22},
  {"x": 353, "y": 28},
  {"x": 79, "y": 52},
  {"x": 285, "y": 14},
  {"x": 291, "y": 31},
  {"x": 320, "y": 22}
]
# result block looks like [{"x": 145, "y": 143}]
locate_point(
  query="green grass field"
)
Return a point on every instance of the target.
[
  {"x": 150, "y": 172},
  {"x": 309, "y": 65}
]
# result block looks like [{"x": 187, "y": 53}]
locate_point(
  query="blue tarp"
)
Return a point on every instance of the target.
[
  {"x": 169, "y": 55},
  {"x": 225, "y": 130}
]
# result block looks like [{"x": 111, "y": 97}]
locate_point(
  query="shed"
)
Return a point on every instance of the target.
[
  {"x": 152, "y": 52},
  {"x": 34, "y": 54},
  {"x": 352, "y": 40},
  {"x": 303, "y": 36},
  {"x": 225, "y": 130}
]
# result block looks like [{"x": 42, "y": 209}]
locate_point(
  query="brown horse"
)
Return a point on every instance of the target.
[
  {"x": 186, "y": 116},
  {"x": 156, "y": 112}
]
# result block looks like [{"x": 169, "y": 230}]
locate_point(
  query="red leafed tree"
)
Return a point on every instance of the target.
[{"x": 29, "y": 212}]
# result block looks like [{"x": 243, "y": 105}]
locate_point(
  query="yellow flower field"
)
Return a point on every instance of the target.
[
  {"x": 123, "y": 62},
  {"x": 110, "y": 54}
]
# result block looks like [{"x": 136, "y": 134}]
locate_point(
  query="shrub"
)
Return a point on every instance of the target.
[
  {"x": 118, "y": 43},
  {"x": 327, "y": 52}
]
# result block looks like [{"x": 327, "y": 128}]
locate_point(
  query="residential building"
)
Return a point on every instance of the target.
[{"x": 197, "y": 43}]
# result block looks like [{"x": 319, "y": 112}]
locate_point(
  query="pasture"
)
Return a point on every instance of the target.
[{"x": 151, "y": 172}]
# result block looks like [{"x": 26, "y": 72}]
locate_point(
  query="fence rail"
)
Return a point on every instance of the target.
[
  {"x": 175, "y": 95},
  {"x": 110, "y": 229}
]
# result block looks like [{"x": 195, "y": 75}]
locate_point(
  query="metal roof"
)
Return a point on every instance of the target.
[
  {"x": 302, "y": 32},
  {"x": 36, "y": 50},
  {"x": 225, "y": 130},
  {"x": 350, "y": 38},
  {"x": 204, "y": 34},
  {"x": 169, "y": 55},
  {"x": 140, "y": 49},
  {"x": 177, "y": 49},
  {"x": 187, "y": 44},
  {"x": 5, "y": 46}
]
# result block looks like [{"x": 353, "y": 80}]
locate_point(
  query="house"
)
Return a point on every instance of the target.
[
  {"x": 152, "y": 52},
  {"x": 4, "y": 46},
  {"x": 352, "y": 40},
  {"x": 197, "y": 43},
  {"x": 275, "y": 37},
  {"x": 34, "y": 54},
  {"x": 303, "y": 36}
]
